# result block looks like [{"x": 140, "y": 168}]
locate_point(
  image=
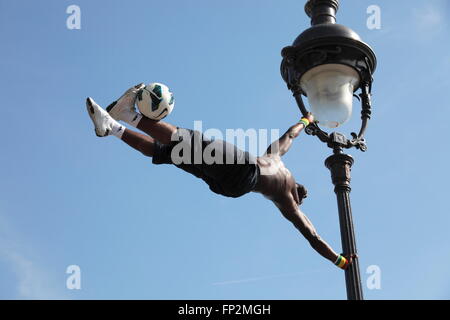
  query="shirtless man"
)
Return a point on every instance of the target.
[{"x": 167, "y": 144}]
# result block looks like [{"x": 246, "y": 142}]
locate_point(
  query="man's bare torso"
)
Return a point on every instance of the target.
[{"x": 275, "y": 181}]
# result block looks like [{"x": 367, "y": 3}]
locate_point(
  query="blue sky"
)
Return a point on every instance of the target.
[{"x": 139, "y": 231}]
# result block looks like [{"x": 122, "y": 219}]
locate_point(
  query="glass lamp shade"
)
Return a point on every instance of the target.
[{"x": 329, "y": 89}]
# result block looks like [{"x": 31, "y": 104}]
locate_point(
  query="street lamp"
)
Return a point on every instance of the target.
[{"x": 328, "y": 63}]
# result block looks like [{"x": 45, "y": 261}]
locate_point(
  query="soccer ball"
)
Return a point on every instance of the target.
[{"x": 155, "y": 101}]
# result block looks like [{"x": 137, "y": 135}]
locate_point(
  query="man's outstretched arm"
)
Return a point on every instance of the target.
[
  {"x": 292, "y": 213},
  {"x": 282, "y": 145}
]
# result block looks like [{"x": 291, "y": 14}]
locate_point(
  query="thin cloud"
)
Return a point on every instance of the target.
[
  {"x": 429, "y": 18},
  {"x": 269, "y": 277},
  {"x": 32, "y": 281}
]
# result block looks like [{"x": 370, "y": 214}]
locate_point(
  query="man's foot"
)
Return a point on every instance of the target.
[
  {"x": 103, "y": 122},
  {"x": 121, "y": 108}
]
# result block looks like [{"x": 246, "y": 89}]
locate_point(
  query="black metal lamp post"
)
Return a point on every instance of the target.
[{"x": 328, "y": 63}]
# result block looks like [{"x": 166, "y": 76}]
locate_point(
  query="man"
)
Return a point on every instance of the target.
[{"x": 168, "y": 144}]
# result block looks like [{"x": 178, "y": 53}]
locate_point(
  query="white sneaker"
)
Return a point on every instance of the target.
[
  {"x": 125, "y": 103},
  {"x": 103, "y": 122}
]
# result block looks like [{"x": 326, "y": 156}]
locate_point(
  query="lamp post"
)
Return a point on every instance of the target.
[{"x": 328, "y": 63}]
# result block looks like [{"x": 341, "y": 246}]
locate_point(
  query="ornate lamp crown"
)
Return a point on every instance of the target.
[{"x": 326, "y": 42}]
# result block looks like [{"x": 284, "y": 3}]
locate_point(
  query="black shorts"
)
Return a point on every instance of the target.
[{"x": 227, "y": 170}]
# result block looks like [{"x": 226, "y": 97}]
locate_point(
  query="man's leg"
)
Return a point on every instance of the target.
[
  {"x": 105, "y": 125},
  {"x": 160, "y": 130},
  {"x": 139, "y": 141}
]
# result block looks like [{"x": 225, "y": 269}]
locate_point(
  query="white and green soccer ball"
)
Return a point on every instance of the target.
[{"x": 155, "y": 101}]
